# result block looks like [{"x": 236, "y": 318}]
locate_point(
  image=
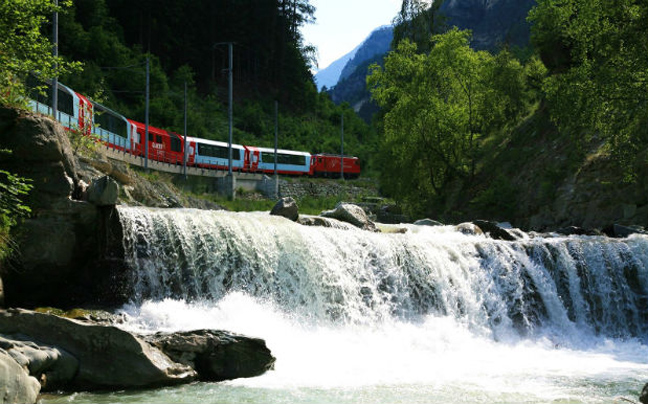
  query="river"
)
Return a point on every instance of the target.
[{"x": 428, "y": 316}]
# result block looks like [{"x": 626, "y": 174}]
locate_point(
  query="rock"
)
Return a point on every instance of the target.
[
  {"x": 391, "y": 214},
  {"x": 351, "y": 213},
  {"x": 286, "y": 207},
  {"x": 643, "y": 398},
  {"x": 53, "y": 367},
  {"x": 323, "y": 222},
  {"x": 41, "y": 151},
  {"x": 55, "y": 247},
  {"x": 427, "y": 222},
  {"x": 216, "y": 355},
  {"x": 103, "y": 191},
  {"x": 60, "y": 239},
  {"x": 109, "y": 358},
  {"x": 16, "y": 386},
  {"x": 81, "y": 191},
  {"x": 577, "y": 231},
  {"x": 469, "y": 229},
  {"x": 622, "y": 231},
  {"x": 494, "y": 230}
]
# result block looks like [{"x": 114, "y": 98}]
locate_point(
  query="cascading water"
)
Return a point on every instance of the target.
[
  {"x": 355, "y": 277},
  {"x": 430, "y": 315}
]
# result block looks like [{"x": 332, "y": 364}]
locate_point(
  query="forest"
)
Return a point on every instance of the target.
[
  {"x": 459, "y": 125},
  {"x": 444, "y": 141},
  {"x": 106, "y": 43}
]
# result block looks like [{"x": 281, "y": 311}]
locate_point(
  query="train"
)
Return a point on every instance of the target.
[{"x": 78, "y": 112}]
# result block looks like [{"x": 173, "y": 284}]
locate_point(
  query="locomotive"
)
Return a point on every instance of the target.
[{"x": 75, "y": 111}]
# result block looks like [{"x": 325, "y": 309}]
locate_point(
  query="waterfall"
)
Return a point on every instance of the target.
[{"x": 494, "y": 288}]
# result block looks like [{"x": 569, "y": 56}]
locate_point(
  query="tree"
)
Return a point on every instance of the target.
[
  {"x": 438, "y": 108},
  {"x": 23, "y": 49},
  {"x": 416, "y": 22},
  {"x": 597, "y": 53}
]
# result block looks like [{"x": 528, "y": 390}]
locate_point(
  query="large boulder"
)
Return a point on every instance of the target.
[
  {"x": 469, "y": 229},
  {"x": 59, "y": 241},
  {"x": 16, "y": 386},
  {"x": 350, "y": 213},
  {"x": 494, "y": 230},
  {"x": 41, "y": 150},
  {"x": 108, "y": 357},
  {"x": 286, "y": 207},
  {"x": 216, "y": 355},
  {"x": 103, "y": 191}
]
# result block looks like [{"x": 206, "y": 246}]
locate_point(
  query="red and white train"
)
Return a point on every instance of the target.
[{"x": 78, "y": 112}]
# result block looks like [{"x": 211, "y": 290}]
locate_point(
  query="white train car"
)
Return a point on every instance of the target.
[
  {"x": 289, "y": 162},
  {"x": 214, "y": 154}
]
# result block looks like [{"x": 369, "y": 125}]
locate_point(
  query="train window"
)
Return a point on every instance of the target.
[
  {"x": 151, "y": 137},
  {"x": 65, "y": 102},
  {"x": 158, "y": 139},
  {"x": 176, "y": 144},
  {"x": 106, "y": 120},
  {"x": 292, "y": 159},
  {"x": 218, "y": 151}
]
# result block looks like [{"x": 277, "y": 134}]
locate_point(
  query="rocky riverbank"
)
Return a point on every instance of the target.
[{"x": 46, "y": 352}]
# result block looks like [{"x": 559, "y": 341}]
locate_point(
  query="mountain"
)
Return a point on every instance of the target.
[
  {"x": 330, "y": 75},
  {"x": 494, "y": 23},
  {"x": 377, "y": 43},
  {"x": 350, "y": 86}
]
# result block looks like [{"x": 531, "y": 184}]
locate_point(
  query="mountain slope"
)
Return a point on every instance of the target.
[
  {"x": 494, "y": 23},
  {"x": 330, "y": 75},
  {"x": 377, "y": 43}
]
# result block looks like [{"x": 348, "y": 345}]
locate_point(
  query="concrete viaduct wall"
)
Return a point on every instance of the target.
[{"x": 224, "y": 184}]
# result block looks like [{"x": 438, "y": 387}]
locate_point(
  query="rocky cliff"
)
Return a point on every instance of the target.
[
  {"x": 494, "y": 23},
  {"x": 70, "y": 242}
]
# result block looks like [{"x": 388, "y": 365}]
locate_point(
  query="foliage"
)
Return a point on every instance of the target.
[
  {"x": 24, "y": 49},
  {"x": 12, "y": 190},
  {"x": 185, "y": 43},
  {"x": 597, "y": 53},
  {"x": 439, "y": 106},
  {"x": 416, "y": 22}
]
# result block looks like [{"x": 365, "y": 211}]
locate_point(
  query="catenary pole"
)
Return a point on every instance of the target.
[
  {"x": 276, "y": 145},
  {"x": 342, "y": 146},
  {"x": 184, "y": 154},
  {"x": 146, "y": 121},
  {"x": 55, "y": 53},
  {"x": 230, "y": 80}
]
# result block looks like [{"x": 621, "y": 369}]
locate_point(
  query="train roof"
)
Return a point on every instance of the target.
[
  {"x": 106, "y": 109},
  {"x": 282, "y": 151},
  {"x": 213, "y": 142},
  {"x": 346, "y": 156}
]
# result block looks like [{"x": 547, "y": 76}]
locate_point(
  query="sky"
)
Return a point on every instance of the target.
[{"x": 341, "y": 25}]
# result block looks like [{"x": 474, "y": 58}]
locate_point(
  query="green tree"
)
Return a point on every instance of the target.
[
  {"x": 597, "y": 53},
  {"x": 438, "y": 107},
  {"x": 24, "y": 49},
  {"x": 416, "y": 22}
]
